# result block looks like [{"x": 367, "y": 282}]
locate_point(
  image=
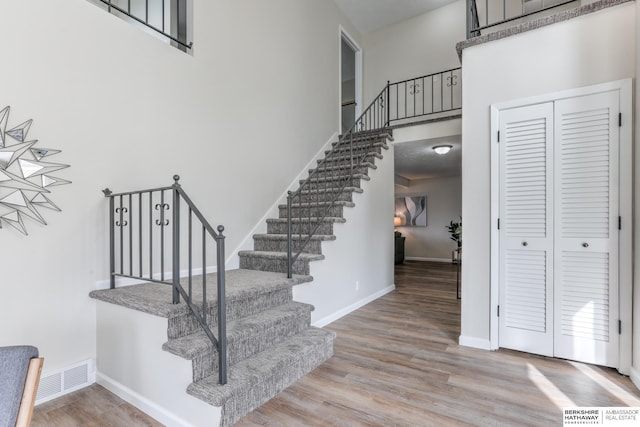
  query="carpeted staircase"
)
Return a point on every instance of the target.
[{"x": 271, "y": 343}]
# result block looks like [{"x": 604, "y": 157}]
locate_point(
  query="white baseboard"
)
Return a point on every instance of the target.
[
  {"x": 474, "y": 342},
  {"x": 145, "y": 405},
  {"x": 417, "y": 258},
  {"x": 635, "y": 377},
  {"x": 343, "y": 312}
]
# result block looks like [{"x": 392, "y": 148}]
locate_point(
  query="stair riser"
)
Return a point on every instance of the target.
[
  {"x": 186, "y": 324},
  {"x": 297, "y": 228},
  {"x": 328, "y": 184},
  {"x": 279, "y": 245},
  {"x": 207, "y": 364},
  {"x": 320, "y": 211},
  {"x": 273, "y": 264}
]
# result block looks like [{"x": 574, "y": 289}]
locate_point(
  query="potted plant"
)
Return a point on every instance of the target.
[{"x": 455, "y": 230}]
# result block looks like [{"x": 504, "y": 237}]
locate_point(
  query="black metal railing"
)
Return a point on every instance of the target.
[
  {"x": 422, "y": 96},
  {"x": 167, "y": 18},
  {"x": 486, "y": 14},
  {"x": 317, "y": 195},
  {"x": 314, "y": 202},
  {"x": 147, "y": 230}
]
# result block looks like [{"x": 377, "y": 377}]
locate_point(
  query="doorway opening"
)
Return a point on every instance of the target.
[{"x": 350, "y": 81}]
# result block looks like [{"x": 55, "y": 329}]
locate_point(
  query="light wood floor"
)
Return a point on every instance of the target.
[{"x": 397, "y": 363}]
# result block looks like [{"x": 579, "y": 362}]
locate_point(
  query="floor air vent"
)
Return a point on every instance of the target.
[{"x": 58, "y": 383}]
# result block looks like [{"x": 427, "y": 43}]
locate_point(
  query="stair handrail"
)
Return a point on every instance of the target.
[
  {"x": 121, "y": 216},
  {"x": 367, "y": 128}
]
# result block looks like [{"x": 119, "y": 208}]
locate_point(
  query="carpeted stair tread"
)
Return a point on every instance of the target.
[
  {"x": 307, "y": 219},
  {"x": 305, "y": 204},
  {"x": 345, "y": 168},
  {"x": 344, "y": 157},
  {"x": 336, "y": 189},
  {"x": 155, "y": 298},
  {"x": 190, "y": 346},
  {"x": 359, "y": 149},
  {"x": 262, "y": 368},
  {"x": 294, "y": 236},
  {"x": 280, "y": 255},
  {"x": 338, "y": 177}
]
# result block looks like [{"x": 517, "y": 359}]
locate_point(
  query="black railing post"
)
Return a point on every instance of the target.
[
  {"x": 222, "y": 309},
  {"x": 112, "y": 240},
  {"x": 289, "y": 236},
  {"x": 175, "y": 244},
  {"x": 386, "y": 104}
]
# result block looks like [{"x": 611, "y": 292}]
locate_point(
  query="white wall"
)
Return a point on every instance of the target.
[
  {"x": 583, "y": 51},
  {"x": 416, "y": 47},
  {"x": 358, "y": 266},
  {"x": 237, "y": 120},
  {"x": 635, "y": 368},
  {"x": 444, "y": 204}
]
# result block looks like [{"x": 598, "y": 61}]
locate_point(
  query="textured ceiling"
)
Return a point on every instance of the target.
[
  {"x": 372, "y": 15},
  {"x": 417, "y": 160}
]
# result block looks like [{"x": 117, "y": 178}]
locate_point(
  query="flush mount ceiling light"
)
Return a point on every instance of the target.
[{"x": 442, "y": 149}]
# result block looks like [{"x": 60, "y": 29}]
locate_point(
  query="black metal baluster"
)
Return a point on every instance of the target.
[
  {"x": 160, "y": 223},
  {"x": 204, "y": 275},
  {"x": 120, "y": 225},
  {"x": 150, "y": 234},
  {"x": 130, "y": 235},
  {"x": 289, "y": 237},
  {"x": 190, "y": 254},
  {"x": 140, "y": 234},
  {"x": 423, "y": 91},
  {"x": 163, "y": 3}
]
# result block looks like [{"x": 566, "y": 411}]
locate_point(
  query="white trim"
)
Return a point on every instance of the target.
[
  {"x": 145, "y": 405},
  {"x": 417, "y": 258},
  {"x": 624, "y": 87},
  {"x": 634, "y": 374},
  {"x": 625, "y": 236},
  {"x": 353, "y": 307},
  {"x": 233, "y": 260},
  {"x": 494, "y": 273},
  {"x": 480, "y": 343},
  {"x": 344, "y": 34}
]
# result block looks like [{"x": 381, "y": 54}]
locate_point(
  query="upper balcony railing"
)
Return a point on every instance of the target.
[
  {"x": 424, "y": 96},
  {"x": 165, "y": 18},
  {"x": 483, "y": 15}
]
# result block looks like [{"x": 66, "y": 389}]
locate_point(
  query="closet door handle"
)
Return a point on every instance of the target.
[
  {"x": 585, "y": 245},
  {"x": 525, "y": 244}
]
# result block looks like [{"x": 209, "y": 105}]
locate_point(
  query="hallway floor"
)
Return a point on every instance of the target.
[{"x": 397, "y": 363}]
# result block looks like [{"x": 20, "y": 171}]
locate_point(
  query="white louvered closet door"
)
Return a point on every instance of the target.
[
  {"x": 586, "y": 140},
  {"x": 526, "y": 229}
]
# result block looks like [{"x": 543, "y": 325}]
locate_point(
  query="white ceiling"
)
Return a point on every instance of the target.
[
  {"x": 417, "y": 160},
  {"x": 372, "y": 15}
]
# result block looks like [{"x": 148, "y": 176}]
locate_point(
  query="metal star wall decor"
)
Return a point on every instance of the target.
[{"x": 25, "y": 179}]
